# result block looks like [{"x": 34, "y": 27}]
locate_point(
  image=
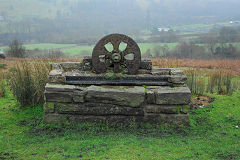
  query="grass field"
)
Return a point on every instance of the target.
[
  {"x": 75, "y": 50},
  {"x": 45, "y": 46},
  {"x": 143, "y": 46},
  {"x": 213, "y": 134}
]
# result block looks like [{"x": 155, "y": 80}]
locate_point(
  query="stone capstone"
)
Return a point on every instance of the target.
[
  {"x": 127, "y": 96},
  {"x": 173, "y": 95}
]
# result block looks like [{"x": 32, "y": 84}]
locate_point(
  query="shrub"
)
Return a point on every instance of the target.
[{"x": 27, "y": 82}]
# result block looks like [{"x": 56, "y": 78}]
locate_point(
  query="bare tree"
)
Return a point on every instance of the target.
[{"x": 16, "y": 49}]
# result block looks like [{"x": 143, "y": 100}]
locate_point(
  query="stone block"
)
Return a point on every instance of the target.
[
  {"x": 48, "y": 107},
  {"x": 56, "y": 66},
  {"x": 57, "y": 79},
  {"x": 56, "y": 73},
  {"x": 144, "y": 71},
  {"x": 178, "y": 79},
  {"x": 160, "y": 71},
  {"x": 167, "y": 109},
  {"x": 124, "y": 96},
  {"x": 173, "y": 95},
  {"x": 176, "y": 119},
  {"x": 79, "y": 96},
  {"x": 146, "y": 64},
  {"x": 151, "y": 96},
  {"x": 176, "y": 72},
  {"x": 60, "y": 88},
  {"x": 97, "y": 109},
  {"x": 118, "y": 119},
  {"x": 70, "y": 66},
  {"x": 64, "y": 97}
]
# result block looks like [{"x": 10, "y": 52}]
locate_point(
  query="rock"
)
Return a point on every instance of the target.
[
  {"x": 57, "y": 79},
  {"x": 119, "y": 120},
  {"x": 79, "y": 96},
  {"x": 151, "y": 96},
  {"x": 60, "y": 88},
  {"x": 175, "y": 95},
  {"x": 87, "y": 63},
  {"x": 56, "y": 66},
  {"x": 126, "y": 96},
  {"x": 178, "y": 79},
  {"x": 160, "y": 71},
  {"x": 97, "y": 109},
  {"x": 168, "y": 109},
  {"x": 70, "y": 66},
  {"x": 146, "y": 64},
  {"x": 144, "y": 71},
  {"x": 176, "y": 72},
  {"x": 59, "y": 97}
]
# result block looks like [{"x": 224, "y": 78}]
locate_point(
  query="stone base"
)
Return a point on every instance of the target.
[
  {"x": 177, "y": 119},
  {"x": 116, "y": 104}
]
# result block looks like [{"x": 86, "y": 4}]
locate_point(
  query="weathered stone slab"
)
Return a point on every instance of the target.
[
  {"x": 150, "y": 95},
  {"x": 125, "y": 96},
  {"x": 167, "y": 109},
  {"x": 79, "y": 96},
  {"x": 118, "y": 119},
  {"x": 56, "y": 76},
  {"x": 165, "y": 118},
  {"x": 80, "y": 78},
  {"x": 60, "y": 88},
  {"x": 175, "y": 95},
  {"x": 146, "y": 64},
  {"x": 176, "y": 72},
  {"x": 97, "y": 109},
  {"x": 69, "y": 66},
  {"x": 56, "y": 66},
  {"x": 59, "y": 97},
  {"x": 56, "y": 73},
  {"x": 160, "y": 71},
  {"x": 144, "y": 71},
  {"x": 178, "y": 79}
]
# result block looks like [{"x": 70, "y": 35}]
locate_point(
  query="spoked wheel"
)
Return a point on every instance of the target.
[{"x": 120, "y": 60}]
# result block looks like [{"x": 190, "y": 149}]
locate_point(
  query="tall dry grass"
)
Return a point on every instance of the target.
[{"x": 27, "y": 80}]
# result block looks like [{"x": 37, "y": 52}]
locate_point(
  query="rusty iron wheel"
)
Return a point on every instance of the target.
[{"x": 103, "y": 59}]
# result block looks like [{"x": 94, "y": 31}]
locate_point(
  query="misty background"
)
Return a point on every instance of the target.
[{"x": 80, "y": 21}]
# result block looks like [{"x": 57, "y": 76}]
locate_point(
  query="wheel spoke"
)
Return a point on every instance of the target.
[
  {"x": 127, "y": 51},
  {"x": 117, "y": 68},
  {"x": 115, "y": 44},
  {"x": 106, "y": 52}
]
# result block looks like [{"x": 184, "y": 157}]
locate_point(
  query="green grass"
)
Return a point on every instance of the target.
[
  {"x": 212, "y": 135},
  {"x": 45, "y": 46}
]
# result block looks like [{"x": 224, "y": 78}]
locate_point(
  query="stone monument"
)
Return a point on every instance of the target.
[{"x": 116, "y": 86}]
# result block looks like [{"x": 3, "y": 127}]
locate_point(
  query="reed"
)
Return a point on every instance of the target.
[{"x": 27, "y": 81}]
